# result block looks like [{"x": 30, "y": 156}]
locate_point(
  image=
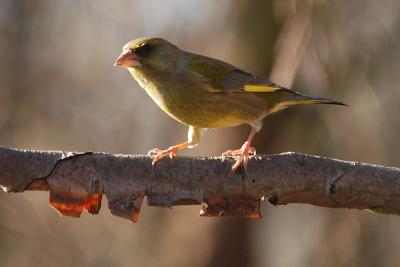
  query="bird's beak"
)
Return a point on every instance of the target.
[{"x": 127, "y": 59}]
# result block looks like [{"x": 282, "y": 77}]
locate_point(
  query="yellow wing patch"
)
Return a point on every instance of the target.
[{"x": 260, "y": 88}]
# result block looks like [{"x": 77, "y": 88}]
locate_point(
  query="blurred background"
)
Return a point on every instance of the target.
[{"x": 59, "y": 91}]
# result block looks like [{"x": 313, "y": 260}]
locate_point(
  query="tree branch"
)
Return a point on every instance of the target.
[{"x": 77, "y": 182}]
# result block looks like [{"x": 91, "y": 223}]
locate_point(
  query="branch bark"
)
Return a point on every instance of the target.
[{"x": 77, "y": 182}]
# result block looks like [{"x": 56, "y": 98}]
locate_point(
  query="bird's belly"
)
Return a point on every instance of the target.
[{"x": 209, "y": 110}]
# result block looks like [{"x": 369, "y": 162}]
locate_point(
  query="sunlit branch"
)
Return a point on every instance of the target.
[{"x": 77, "y": 181}]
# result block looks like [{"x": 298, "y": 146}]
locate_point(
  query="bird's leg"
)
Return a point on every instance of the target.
[
  {"x": 194, "y": 136},
  {"x": 243, "y": 152}
]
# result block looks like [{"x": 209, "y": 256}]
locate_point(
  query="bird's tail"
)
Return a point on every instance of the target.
[{"x": 285, "y": 98}]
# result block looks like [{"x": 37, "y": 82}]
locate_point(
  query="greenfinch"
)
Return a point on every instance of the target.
[{"x": 204, "y": 93}]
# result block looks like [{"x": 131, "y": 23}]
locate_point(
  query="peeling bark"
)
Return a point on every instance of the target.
[{"x": 77, "y": 182}]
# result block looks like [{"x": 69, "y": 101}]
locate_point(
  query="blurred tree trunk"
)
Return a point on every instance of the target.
[
  {"x": 256, "y": 34},
  {"x": 233, "y": 246},
  {"x": 18, "y": 56},
  {"x": 14, "y": 35}
]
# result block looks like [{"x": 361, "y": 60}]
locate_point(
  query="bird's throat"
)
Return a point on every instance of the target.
[
  {"x": 139, "y": 77},
  {"x": 152, "y": 89}
]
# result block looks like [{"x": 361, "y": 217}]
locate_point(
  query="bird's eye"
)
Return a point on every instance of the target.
[{"x": 143, "y": 49}]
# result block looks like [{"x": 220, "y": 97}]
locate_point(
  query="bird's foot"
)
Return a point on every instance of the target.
[
  {"x": 242, "y": 155},
  {"x": 172, "y": 151},
  {"x": 238, "y": 152},
  {"x": 158, "y": 154}
]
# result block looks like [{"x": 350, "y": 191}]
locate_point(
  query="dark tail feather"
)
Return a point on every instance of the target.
[
  {"x": 316, "y": 100},
  {"x": 290, "y": 98}
]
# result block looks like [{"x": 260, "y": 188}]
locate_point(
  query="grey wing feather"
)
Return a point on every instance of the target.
[{"x": 238, "y": 78}]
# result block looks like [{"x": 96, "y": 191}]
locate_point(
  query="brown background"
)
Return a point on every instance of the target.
[{"x": 59, "y": 90}]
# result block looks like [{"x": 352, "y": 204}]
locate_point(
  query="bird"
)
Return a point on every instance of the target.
[{"x": 204, "y": 93}]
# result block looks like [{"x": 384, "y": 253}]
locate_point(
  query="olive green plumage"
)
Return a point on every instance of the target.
[{"x": 203, "y": 92}]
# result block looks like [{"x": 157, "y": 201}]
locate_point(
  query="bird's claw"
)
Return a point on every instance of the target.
[
  {"x": 242, "y": 156},
  {"x": 238, "y": 152},
  {"x": 158, "y": 154},
  {"x": 153, "y": 152}
]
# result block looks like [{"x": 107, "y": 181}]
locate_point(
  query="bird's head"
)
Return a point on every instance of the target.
[{"x": 148, "y": 53}]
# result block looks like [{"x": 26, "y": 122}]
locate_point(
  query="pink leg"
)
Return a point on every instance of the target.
[{"x": 242, "y": 153}]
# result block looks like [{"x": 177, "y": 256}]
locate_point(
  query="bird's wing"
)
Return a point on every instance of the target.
[
  {"x": 224, "y": 77},
  {"x": 221, "y": 77}
]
